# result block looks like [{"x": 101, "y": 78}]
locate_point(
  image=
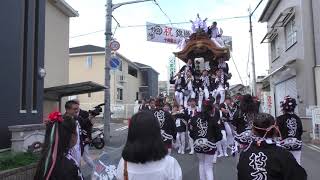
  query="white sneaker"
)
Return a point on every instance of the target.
[
  {"x": 220, "y": 155},
  {"x": 214, "y": 159},
  {"x": 182, "y": 152},
  {"x": 179, "y": 151},
  {"x": 226, "y": 155},
  {"x": 234, "y": 150},
  {"x": 191, "y": 152}
]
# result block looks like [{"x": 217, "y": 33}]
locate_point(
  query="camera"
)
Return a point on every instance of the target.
[{"x": 96, "y": 110}]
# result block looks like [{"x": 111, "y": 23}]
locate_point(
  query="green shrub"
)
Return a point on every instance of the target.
[{"x": 9, "y": 160}]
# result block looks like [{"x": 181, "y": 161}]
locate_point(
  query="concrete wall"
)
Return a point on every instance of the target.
[
  {"x": 307, "y": 83},
  {"x": 316, "y": 26},
  {"x": 316, "y": 30},
  {"x": 56, "y": 52},
  {"x": 302, "y": 52},
  {"x": 317, "y": 75}
]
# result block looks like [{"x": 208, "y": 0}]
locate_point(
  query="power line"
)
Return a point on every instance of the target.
[
  {"x": 172, "y": 23},
  {"x": 156, "y": 3},
  {"x": 236, "y": 68},
  {"x": 256, "y": 7},
  {"x": 86, "y": 34}
]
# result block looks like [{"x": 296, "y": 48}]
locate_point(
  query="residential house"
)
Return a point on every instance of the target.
[
  {"x": 128, "y": 83},
  {"x": 238, "y": 88},
  {"x": 292, "y": 52},
  {"x": 34, "y": 46}
]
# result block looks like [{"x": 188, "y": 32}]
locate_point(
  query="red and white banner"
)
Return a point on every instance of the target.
[{"x": 165, "y": 34}]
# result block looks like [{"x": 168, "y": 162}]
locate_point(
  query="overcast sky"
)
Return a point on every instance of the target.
[{"x": 133, "y": 40}]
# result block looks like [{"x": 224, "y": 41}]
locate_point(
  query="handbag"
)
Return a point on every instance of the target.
[{"x": 125, "y": 171}]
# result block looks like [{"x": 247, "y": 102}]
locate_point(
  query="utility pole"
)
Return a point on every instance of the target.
[
  {"x": 107, "y": 113},
  {"x": 254, "y": 80}
]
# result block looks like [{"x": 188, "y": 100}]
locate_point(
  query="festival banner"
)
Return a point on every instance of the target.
[{"x": 165, "y": 34}]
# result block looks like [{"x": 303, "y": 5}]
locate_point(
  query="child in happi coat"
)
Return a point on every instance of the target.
[
  {"x": 167, "y": 124},
  {"x": 179, "y": 84},
  {"x": 206, "y": 133},
  {"x": 56, "y": 162},
  {"x": 263, "y": 159},
  {"x": 189, "y": 90},
  {"x": 180, "y": 117},
  {"x": 191, "y": 112},
  {"x": 291, "y": 129}
]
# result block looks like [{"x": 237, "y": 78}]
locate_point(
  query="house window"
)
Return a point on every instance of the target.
[
  {"x": 119, "y": 94},
  {"x": 89, "y": 62},
  {"x": 291, "y": 33},
  {"x": 132, "y": 71},
  {"x": 275, "y": 48},
  {"x": 120, "y": 66}
]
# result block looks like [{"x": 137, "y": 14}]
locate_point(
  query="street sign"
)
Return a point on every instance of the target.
[
  {"x": 114, "y": 45},
  {"x": 114, "y": 63}
]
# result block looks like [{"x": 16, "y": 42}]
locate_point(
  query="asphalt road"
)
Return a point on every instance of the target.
[{"x": 224, "y": 169}]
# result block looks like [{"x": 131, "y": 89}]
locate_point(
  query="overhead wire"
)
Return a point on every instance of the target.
[
  {"x": 144, "y": 25},
  {"x": 165, "y": 14},
  {"x": 115, "y": 29},
  {"x": 236, "y": 68}
]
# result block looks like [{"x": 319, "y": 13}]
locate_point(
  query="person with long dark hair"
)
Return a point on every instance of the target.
[
  {"x": 263, "y": 159},
  {"x": 243, "y": 119},
  {"x": 145, "y": 156},
  {"x": 56, "y": 163},
  {"x": 205, "y": 132},
  {"x": 291, "y": 129}
]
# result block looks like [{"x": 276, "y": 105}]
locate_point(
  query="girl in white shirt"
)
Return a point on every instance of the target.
[{"x": 145, "y": 156}]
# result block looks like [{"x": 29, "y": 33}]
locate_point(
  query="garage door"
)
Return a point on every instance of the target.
[{"x": 283, "y": 89}]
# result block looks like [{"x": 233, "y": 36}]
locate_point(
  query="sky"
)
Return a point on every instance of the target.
[{"x": 89, "y": 27}]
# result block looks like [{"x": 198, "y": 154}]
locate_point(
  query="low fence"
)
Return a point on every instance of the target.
[
  {"x": 316, "y": 123},
  {"x": 123, "y": 111},
  {"x": 119, "y": 111}
]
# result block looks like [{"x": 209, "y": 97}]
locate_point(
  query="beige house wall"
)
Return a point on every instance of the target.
[
  {"x": 56, "y": 47},
  {"x": 56, "y": 51},
  {"x": 79, "y": 72}
]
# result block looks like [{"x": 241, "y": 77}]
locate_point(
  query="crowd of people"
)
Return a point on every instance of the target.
[
  {"x": 269, "y": 148},
  {"x": 202, "y": 119}
]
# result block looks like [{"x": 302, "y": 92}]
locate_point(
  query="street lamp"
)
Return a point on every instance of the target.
[{"x": 107, "y": 114}]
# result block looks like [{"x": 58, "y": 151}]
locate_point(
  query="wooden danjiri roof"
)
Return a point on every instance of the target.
[{"x": 200, "y": 45}]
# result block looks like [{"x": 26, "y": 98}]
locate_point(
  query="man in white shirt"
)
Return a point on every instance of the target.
[
  {"x": 72, "y": 110},
  {"x": 216, "y": 35}
]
